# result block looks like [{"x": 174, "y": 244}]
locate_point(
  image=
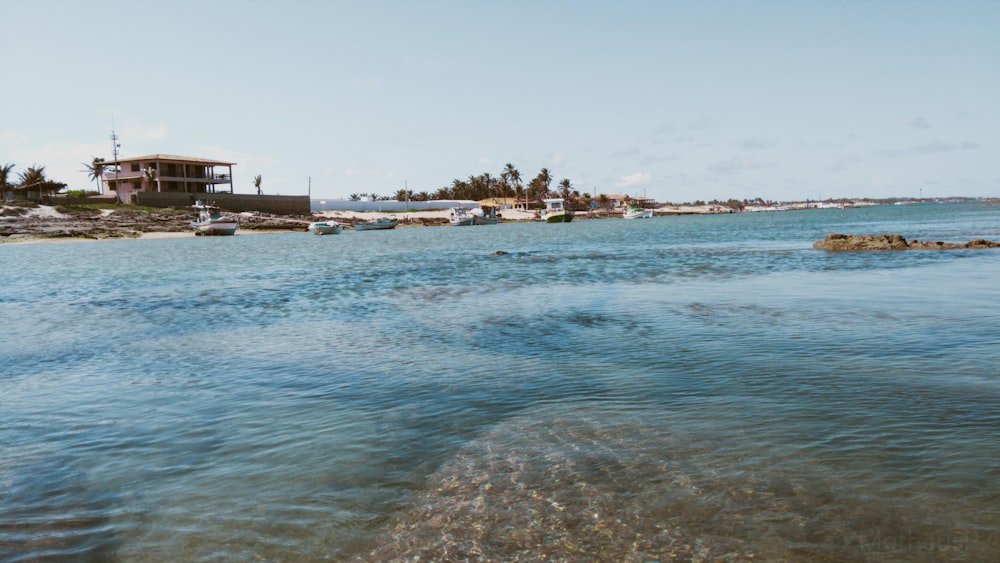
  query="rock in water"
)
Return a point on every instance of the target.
[{"x": 853, "y": 243}]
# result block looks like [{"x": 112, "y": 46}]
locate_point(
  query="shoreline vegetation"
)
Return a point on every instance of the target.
[{"x": 30, "y": 222}]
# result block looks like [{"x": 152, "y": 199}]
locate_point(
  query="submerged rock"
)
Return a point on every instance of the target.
[{"x": 852, "y": 243}]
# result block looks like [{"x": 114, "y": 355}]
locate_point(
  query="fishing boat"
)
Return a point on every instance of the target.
[
  {"x": 556, "y": 212},
  {"x": 635, "y": 212},
  {"x": 460, "y": 217},
  {"x": 489, "y": 216},
  {"x": 209, "y": 221},
  {"x": 380, "y": 224},
  {"x": 325, "y": 228}
]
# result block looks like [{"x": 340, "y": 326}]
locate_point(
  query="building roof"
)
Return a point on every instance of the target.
[{"x": 171, "y": 157}]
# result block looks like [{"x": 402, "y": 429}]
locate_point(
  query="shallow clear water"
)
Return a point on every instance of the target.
[{"x": 602, "y": 389}]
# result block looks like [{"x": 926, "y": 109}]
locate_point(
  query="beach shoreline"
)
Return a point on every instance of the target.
[{"x": 46, "y": 224}]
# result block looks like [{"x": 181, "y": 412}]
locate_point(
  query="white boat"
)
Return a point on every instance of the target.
[
  {"x": 489, "y": 216},
  {"x": 460, "y": 217},
  {"x": 636, "y": 212},
  {"x": 209, "y": 221},
  {"x": 556, "y": 212},
  {"x": 325, "y": 228},
  {"x": 380, "y": 224}
]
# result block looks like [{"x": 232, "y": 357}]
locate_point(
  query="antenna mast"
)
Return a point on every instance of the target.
[
  {"x": 114, "y": 152},
  {"x": 114, "y": 141}
]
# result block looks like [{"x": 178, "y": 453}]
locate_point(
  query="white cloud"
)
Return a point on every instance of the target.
[
  {"x": 919, "y": 123},
  {"x": 638, "y": 179}
]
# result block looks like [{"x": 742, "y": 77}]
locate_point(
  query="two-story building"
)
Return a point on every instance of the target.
[{"x": 125, "y": 177}]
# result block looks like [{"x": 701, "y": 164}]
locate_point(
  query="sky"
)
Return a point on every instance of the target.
[{"x": 675, "y": 100}]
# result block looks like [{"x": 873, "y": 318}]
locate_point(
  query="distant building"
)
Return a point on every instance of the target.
[
  {"x": 126, "y": 177},
  {"x": 622, "y": 200}
]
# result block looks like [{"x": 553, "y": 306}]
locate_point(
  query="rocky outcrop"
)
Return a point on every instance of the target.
[
  {"x": 23, "y": 222},
  {"x": 855, "y": 243}
]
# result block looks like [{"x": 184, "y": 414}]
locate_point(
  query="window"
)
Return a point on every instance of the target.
[{"x": 135, "y": 167}]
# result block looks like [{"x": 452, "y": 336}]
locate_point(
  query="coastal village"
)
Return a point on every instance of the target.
[{"x": 169, "y": 195}]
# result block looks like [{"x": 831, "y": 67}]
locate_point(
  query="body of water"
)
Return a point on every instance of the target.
[{"x": 696, "y": 387}]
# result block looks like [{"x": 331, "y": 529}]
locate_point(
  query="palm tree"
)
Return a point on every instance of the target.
[
  {"x": 458, "y": 189},
  {"x": 565, "y": 188},
  {"x": 404, "y": 195},
  {"x": 477, "y": 187},
  {"x": 544, "y": 181},
  {"x": 513, "y": 178},
  {"x": 256, "y": 183},
  {"x": 34, "y": 175},
  {"x": 95, "y": 170},
  {"x": 149, "y": 174},
  {"x": 4, "y": 175}
]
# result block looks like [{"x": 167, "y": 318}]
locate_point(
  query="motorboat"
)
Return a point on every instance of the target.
[
  {"x": 325, "y": 228},
  {"x": 556, "y": 212},
  {"x": 636, "y": 212},
  {"x": 209, "y": 221},
  {"x": 489, "y": 216},
  {"x": 460, "y": 217},
  {"x": 380, "y": 224}
]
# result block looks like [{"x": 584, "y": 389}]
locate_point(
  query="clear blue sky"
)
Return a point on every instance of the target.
[{"x": 678, "y": 100}]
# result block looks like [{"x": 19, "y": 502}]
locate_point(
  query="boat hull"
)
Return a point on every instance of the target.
[
  {"x": 379, "y": 225},
  {"x": 217, "y": 229},
  {"x": 564, "y": 217},
  {"x": 641, "y": 214},
  {"x": 325, "y": 228},
  {"x": 556, "y": 212},
  {"x": 209, "y": 221}
]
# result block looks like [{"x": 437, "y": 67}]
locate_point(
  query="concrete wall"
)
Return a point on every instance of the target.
[
  {"x": 389, "y": 205},
  {"x": 276, "y": 204}
]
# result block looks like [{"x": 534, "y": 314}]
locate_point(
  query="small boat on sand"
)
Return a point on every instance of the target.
[
  {"x": 460, "y": 217},
  {"x": 489, "y": 216},
  {"x": 556, "y": 212},
  {"x": 380, "y": 224},
  {"x": 325, "y": 228},
  {"x": 209, "y": 221}
]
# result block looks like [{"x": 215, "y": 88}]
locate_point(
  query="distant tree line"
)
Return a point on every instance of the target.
[{"x": 508, "y": 185}]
